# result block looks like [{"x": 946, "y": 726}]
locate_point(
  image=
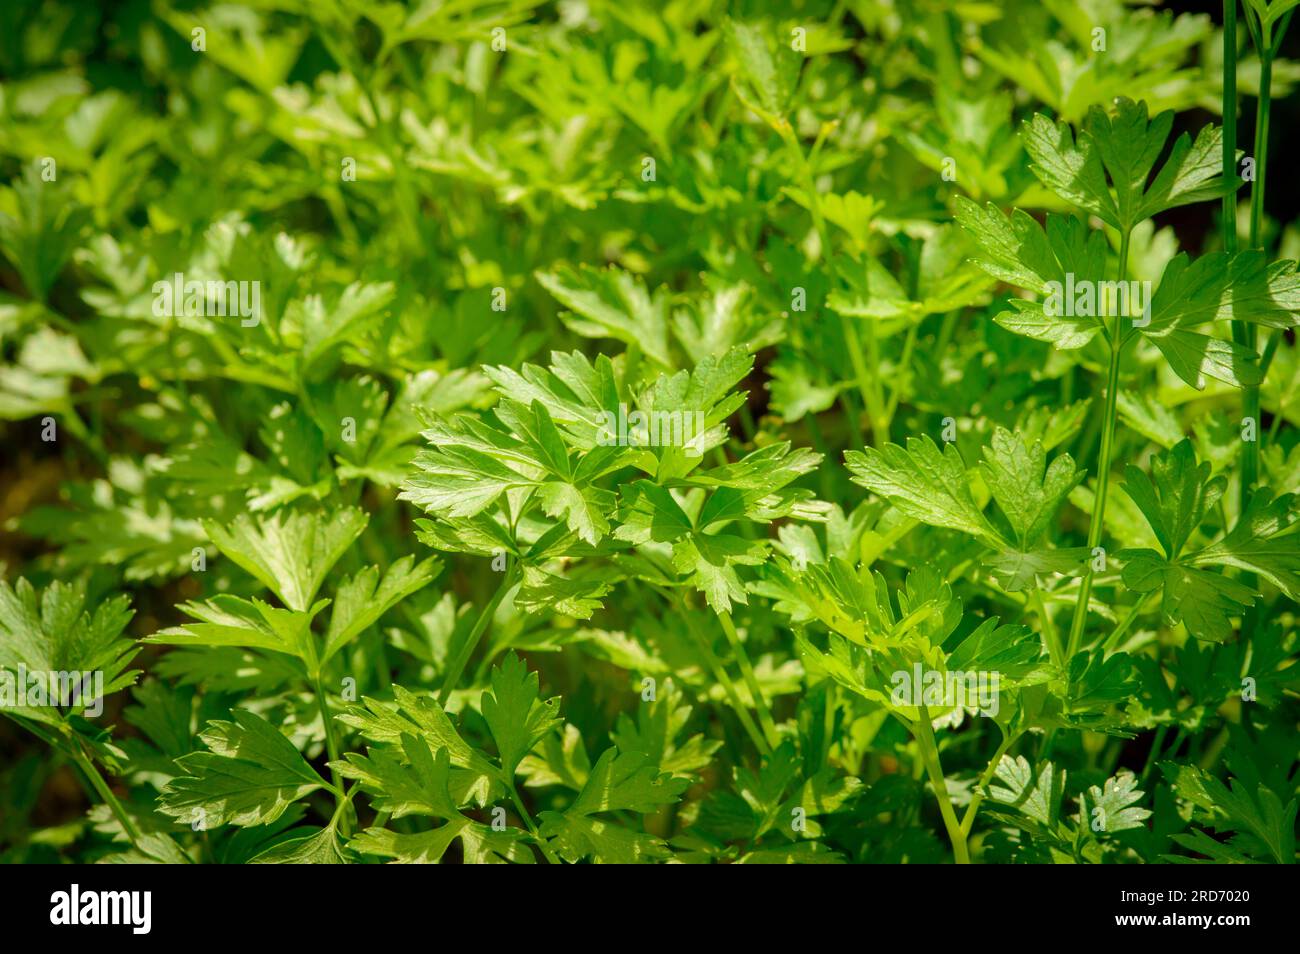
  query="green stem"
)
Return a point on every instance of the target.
[
  {"x": 332, "y": 747},
  {"x": 101, "y": 787},
  {"x": 924, "y": 736},
  {"x": 1152, "y": 755},
  {"x": 1229, "y": 223},
  {"x": 977, "y": 799},
  {"x": 1270, "y": 350},
  {"x": 904, "y": 363},
  {"x": 733, "y": 696},
  {"x": 751, "y": 680},
  {"x": 828, "y": 722},
  {"x": 818, "y": 440},
  {"x": 871, "y": 396},
  {"x": 1261, "y": 147},
  {"x": 1096, "y": 525},
  {"x": 551, "y": 857},
  {"x": 1118, "y": 632},
  {"x": 1249, "y": 333},
  {"x": 1214, "y": 749},
  {"x": 946, "y": 331},
  {"x": 466, "y": 649},
  {"x": 808, "y": 183},
  {"x": 737, "y": 704},
  {"x": 1049, "y": 632},
  {"x": 852, "y": 418},
  {"x": 862, "y": 376}
]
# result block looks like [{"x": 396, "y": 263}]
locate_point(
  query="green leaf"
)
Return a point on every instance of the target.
[
  {"x": 469, "y": 466},
  {"x": 612, "y": 304},
  {"x": 232, "y": 621},
  {"x": 1175, "y": 503},
  {"x": 361, "y": 599},
  {"x": 1072, "y": 169},
  {"x": 1051, "y": 263},
  {"x": 58, "y": 637},
  {"x": 405, "y": 779},
  {"x": 516, "y": 717},
  {"x": 1113, "y": 807},
  {"x": 306, "y": 847},
  {"x": 1036, "y": 797},
  {"x": 1204, "y": 601},
  {"x": 250, "y": 777},
  {"x": 656, "y": 729},
  {"x": 1019, "y": 570},
  {"x": 1242, "y": 287},
  {"x": 583, "y": 509},
  {"x": 419, "y": 785},
  {"x": 1015, "y": 653},
  {"x": 473, "y": 776},
  {"x": 1177, "y": 495},
  {"x": 480, "y": 844},
  {"x": 1263, "y": 542},
  {"x": 1264, "y": 827},
  {"x": 1105, "y": 169},
  {"x": 769, "y": 68},
  {"x": 358, "y": 309},
  {"x": 924, "y": 483},
  {"x": 546, "y": 592},
  {"x": 291, "y": 553},
  {"x": 578, "y": 395},
  {"x": 1097, "y": 681},
  {"x": 618, "y": 782},
  {"x": 40, "y": 229},
  {"x": 1270, "y": 11},
  {"x": 1026, "y": 488}
]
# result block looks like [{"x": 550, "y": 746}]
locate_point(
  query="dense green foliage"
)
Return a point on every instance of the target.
[{"x": 615, "y": 403}]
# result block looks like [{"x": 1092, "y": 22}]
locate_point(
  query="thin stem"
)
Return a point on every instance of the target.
[
  {"x": 862, "y": 376},
  {"x": 905, "y": 362},
  {"x": 852, "y": 416},
  {"x": 1249, "y": 333},
  {"x": 1250, "y": 403},
  {"x": 733, "y": 696},
  {"x": 1097, "y": 524},
  {"x": 946, "y": 330},
  {"x": 808, "y": 183},
  {"x": 1214, "y": 749},
  {"x": 715, "y": 666},
  {"x": 924, "y": 736},
  {"x": 1121, "y": 628},
  {"x": 332, "y": 747},
  {"x": 871, "y": 396},
  {"x": 1229, "y": 223},
  {"x": 977, "y": 799},
  {"x": 1051, "y": 637},
  {"x": 1281, "y": 32},
  {"x": 551, "y": 857},
  {"x": 344, "y": 802},
  {"x": 1261, "y": 147},
  {"x": 751, "y": 680},
  {"x": 880, "y": 421},
  {"x": 1154, "y": 752},
  {"x": 828, "y": 722},
  {"x": 101, "y": 787},
  {"x": 466, "y": 649},
  {"x": 1270, "y": 350}
]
